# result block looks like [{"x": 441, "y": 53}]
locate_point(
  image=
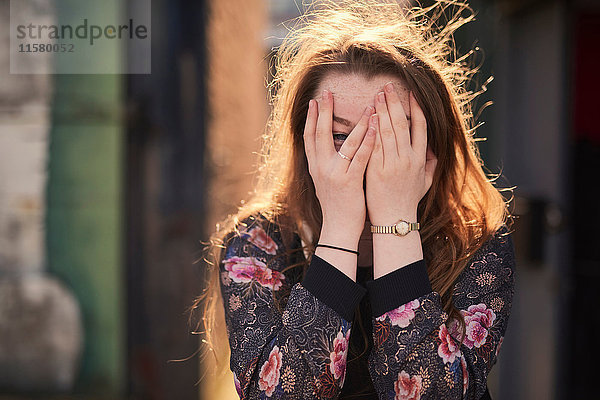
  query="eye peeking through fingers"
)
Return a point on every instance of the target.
[{"x": 340, "y": 137}]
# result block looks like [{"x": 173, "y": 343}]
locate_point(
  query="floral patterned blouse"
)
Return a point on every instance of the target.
[{"x": 289, "y": 333}]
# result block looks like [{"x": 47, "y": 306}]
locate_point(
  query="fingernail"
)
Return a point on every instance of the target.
[
  {"x": 389, "y": 87},
  {"x": 311, "y": 104},
  {"x": 374, "y": 119},
  {"x": 325, "y": 94},
  {"x": 370, "y": 110},
  {"x": 381, "y": 97}
]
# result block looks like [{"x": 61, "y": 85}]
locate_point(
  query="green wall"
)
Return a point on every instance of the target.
[{"x": 84, "y": 211}]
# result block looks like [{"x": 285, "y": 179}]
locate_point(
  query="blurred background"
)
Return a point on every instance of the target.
[{"x": 109, "y": 183}]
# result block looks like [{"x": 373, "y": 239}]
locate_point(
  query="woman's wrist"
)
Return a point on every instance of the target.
[
  {"x": 391, "y": 252},
  {"x": 338, "y": 235},
  {"x": 390, "y": 218},
  {"x": 342, "y": 260}
]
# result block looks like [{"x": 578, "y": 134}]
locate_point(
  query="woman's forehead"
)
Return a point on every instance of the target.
[
  {"x": 353, "y": 92},
  {"x": 345, "y": 83}
]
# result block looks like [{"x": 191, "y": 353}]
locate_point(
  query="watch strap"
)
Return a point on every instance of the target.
[
  {"x": 383, "y": 229},
  {"x": 412, "y": 226}
]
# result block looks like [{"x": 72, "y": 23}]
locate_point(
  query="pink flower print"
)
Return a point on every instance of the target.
[
  {"x": 448, "y": 349},
  {"x": 478, "y": 320},
  {"x": 260, "y": 239},
  {"x": 486, "y": 315},
  {"x": 476, "y": 335},
  {"x": 337, "y": 357},
  {"x": 271, "y": 279},
  {"x": 246, "y": 269},
  {"x": 453, "y": 327},
  {"x": 402, "y": 315},
  {"x": 407, "y": 387},
  {"x": 269, "y": 372},
  {"x": 465, "y": 375},
  {"x": 243, "y": 269}
]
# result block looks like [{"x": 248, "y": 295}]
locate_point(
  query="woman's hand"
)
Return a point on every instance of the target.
[
  {"x": 338, "y": 182},
  {"x": 401, "y": 167}
]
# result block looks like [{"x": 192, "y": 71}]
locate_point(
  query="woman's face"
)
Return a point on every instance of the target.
[{"x": 352, "y": 93}]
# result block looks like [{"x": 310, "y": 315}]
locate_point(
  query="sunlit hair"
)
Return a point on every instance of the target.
[{"x": 461, "y": 210}]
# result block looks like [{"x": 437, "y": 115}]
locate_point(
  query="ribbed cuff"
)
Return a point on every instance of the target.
[
  {"x": 398, "y": 287},
  {"x": 332, "y": 287}
]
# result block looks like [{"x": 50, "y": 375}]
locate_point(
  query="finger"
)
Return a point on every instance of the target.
[
  {"x": 430, "y": 166},
  {"x": 377, "y": 154},
  {"x": 354, "y": 140},
  {"x": 398, "y": 118},
  {"x": 364, "y": 152},
  {"x": 418, "y": 128},
  {"x": 309, "y": 131},
  {"x": 430, "y": 153},
  {"x": 324, "y": 139},
  {"x": 386, "y": 131}
]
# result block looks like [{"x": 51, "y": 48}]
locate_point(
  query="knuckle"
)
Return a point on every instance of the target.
[
  {"x": 420, "y": 120},
  {"x": 323, "y": 106},
  {"x": 405, "y": 162},
  {"x": 402, "y": 123},
  {"x": 361, "y": 157},
  {"x": 387, "y": 130}
]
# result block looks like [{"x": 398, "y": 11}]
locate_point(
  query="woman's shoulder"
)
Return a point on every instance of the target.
[
  {"x": 494, "y": 262},
  {"x": 498, "y": 246},
  {"x": 258, "y": 229},
  {"x": 269, "y": 234},
  {"x": 257, "y": 239}
]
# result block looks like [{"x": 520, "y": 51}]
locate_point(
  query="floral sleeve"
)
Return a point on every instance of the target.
[
  {"x": 297, "y": 349},
  {"x": 417, "y": 352}
]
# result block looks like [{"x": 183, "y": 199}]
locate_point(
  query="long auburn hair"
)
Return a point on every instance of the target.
[{"x": 461, "y": 210}]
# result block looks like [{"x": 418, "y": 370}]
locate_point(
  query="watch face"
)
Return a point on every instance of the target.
[{"x": 402, "y": 228}]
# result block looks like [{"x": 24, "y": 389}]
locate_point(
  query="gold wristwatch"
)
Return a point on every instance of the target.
[{"x": 400, "y": 228}]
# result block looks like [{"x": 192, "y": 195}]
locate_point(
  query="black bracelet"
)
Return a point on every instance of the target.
[{"x": 337, "y": 248}]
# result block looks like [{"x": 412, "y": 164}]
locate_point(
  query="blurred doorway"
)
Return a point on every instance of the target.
[
  {"x": 165, "y": 203},
  {"x": 584, "y": 326}
]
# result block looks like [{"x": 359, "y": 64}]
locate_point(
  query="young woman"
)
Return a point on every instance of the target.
[{"x": 373, "y": 260}]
